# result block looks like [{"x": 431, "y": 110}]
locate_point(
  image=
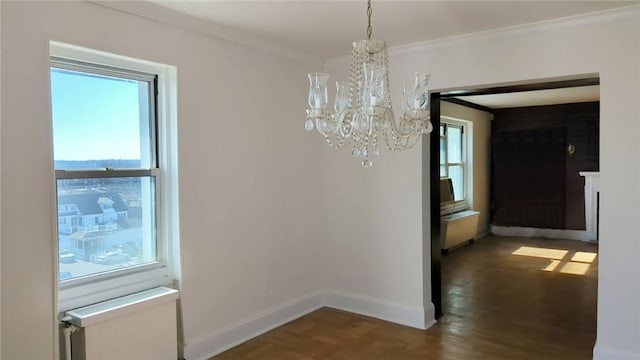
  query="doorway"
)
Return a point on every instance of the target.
[{"x": 433, "y": 170}]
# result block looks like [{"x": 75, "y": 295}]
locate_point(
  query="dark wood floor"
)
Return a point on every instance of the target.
[{"x": 535, "y": 304}]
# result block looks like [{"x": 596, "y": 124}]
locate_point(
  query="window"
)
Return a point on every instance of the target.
[
  {"x": 109, "y": 168},
  {"x": 105, "y": 163},
  {"x": 453, "y": 158}
]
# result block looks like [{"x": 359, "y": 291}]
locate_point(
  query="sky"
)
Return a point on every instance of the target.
[{"x": 94, "y": 117}]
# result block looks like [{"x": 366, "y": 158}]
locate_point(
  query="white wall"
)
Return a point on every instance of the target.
[
  {"x": 253, "y": 233},
  {"x": 481, "y": 164},
  {"x": 0, "y": 178},
  {"x": 250, "y": 220},
  {"x": 373, "y": 223}
]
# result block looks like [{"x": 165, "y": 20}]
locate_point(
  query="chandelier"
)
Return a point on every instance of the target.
[{"x": 363, "y": 114}]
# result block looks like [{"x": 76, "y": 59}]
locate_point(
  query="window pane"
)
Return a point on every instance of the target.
[
  {"x": 443, "y": 171},
  {"x": 443, "y": 150},
  {"x": 105, "y": 224},
  {"x": 456, "y": 174},
  {"x": 454, "y": 140},
  {"x": 442, "y": 131},
  {"x": 100, "y": 121}
]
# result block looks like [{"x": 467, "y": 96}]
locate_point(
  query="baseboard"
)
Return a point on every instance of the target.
[
  {"x": 483, "y": 233},
  {"x": 235, "y": 334},
  {"x": 604, "y": 353},
  {"x": 409, "y": 316},
  {"x": 538, "y": 232}
]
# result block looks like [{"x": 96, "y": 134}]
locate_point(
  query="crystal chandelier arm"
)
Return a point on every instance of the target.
[{"x": 395, "y": 139}]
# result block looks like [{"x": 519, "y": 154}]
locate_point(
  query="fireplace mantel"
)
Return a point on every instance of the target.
[{"x": 591, "y": 192}]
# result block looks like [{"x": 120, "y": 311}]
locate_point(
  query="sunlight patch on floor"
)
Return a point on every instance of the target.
[
  {"x": 575, "y": 268},
  {"x": 552, "y": 266},
  {"x": 585, "y": 257},
  {"x": 541, "y": 252},
  {"x": 578, "y": 265}
]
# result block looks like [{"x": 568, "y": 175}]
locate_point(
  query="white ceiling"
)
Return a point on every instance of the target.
[
  {"x": 325, "y": 29},
  {"x": 537, "y": 97}
]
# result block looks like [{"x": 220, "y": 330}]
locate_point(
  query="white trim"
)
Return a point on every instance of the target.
[
  {"x": 167, "y": 137},
  {"x": 74, "y": 52},
  {"x": 102, "y": 290},
  {"x": 467, "y": 160},
  {"x": 55, "y": 345},
  {"x": 236, "y": 333},
  {"x": 515, "y": 30},
  {"x": 605, "y": 353},
  {"x": 558, "y": 23},
  {"x": 415, "y": 317},
  {"x": 110, "y": 309},
  {"x": 211, "y": 344},
  {"x": 591, "y": 191},
  {"x": 167, "y": 232},
  {"x": 164, "y": 15},
  {"x": 538, "y": 232}
]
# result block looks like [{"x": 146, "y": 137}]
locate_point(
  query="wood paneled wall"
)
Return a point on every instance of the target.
[{"x": 525, "y": 188}]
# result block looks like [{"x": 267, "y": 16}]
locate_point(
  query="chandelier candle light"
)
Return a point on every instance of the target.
[{"x": 362, "y": 106}]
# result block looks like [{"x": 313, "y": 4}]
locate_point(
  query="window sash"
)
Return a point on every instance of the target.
[
  {"x": 457, "y": 173},
  {"x": 112, "y": 274},
  {"x": 71, "y": 288},
  {"x": 159, "y": 243},
  {"x": 105, "y": 70},
  {"x": 106, "y": 173},
  {"x": 446, "y": 164},
  {"x": 81, "y": 66}
]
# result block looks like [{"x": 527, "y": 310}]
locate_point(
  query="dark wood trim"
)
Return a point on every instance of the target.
[
  {"x": 468, "y": 104},
  {"x": 520, "y": 88},
  {"x": 434, "y": 204}
]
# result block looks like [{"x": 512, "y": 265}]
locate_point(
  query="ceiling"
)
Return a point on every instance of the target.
[
  {"x": 536, "y": 98},
  {"x": 325, "y": 29}
]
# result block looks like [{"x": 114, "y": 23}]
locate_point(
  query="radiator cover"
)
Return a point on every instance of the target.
[{"x": 140, "y": 326}]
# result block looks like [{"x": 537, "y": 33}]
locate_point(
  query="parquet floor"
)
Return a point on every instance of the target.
[{"x": 498, "y": 306}]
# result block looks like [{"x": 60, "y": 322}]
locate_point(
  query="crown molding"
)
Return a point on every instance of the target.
[
  {"x": 163, "y": 15},
  {"x": 571, "y": 21}
]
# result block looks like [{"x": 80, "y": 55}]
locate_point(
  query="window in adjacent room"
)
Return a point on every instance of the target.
[
  {"x": 453, "y": 159},
  {"x": 109, "y": 170}
]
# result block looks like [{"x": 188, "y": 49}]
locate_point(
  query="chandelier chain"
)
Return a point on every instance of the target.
[{"x": 369, "y": 12}]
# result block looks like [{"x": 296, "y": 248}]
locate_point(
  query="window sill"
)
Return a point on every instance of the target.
[
  {"x": 455, "y": 207},
  {"x": 74, "y": 294}
]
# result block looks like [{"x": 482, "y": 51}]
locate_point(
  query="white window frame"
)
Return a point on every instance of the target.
[
  {"x": 467, "y": 163},
  {"x": 91, "y": 289}
]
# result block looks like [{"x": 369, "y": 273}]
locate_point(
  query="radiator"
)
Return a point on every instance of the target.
[
  {"x": 458, "y": 227},
  {"x": 140, "y": 326}
]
